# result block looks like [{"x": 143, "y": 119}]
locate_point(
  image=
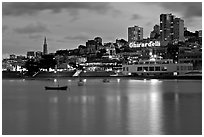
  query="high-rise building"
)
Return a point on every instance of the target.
[
  {"x": 178, "y": 29},
  {"x": 166, "y": 27},
  {"x": 171, "y": 28},
  {"x": 135, "y": 34},
  {"x": 45, "y": 47}
]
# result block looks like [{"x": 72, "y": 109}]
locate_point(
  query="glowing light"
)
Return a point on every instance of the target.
[
  {"x": 84, "y": 80},
  {"x": 175, "y": 73},
  {"x": 118, "y": 80},
  {"x": 55, "y": 80},
  {"x": 154, "y": 81},
  {"x": 145, "y": 80}
]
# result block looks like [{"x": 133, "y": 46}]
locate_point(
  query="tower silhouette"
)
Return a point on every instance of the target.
[{"x": 45, "y": 47}]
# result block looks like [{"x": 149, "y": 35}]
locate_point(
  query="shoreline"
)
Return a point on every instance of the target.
[
  {"x": 18, "y": 75},
  {"x": 112, "y": 77}
]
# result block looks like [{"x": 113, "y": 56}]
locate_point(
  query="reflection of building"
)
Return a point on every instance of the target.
[
  {"x": 135, "y": 33},
  {"x": 45, "y": 47}
]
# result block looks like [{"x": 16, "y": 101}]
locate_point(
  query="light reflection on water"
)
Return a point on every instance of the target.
[{"x": 122, "y": 106}]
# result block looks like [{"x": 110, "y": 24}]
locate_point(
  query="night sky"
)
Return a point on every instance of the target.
[{"x": 67, "y": 25}]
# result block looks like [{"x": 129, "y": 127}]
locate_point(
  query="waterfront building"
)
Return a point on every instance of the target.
[
  {"x": 30, "y": 54},
  {"x": 45, "y": 51},
  {"x": 156, "y": 67},
  {"x": 135, "y": 34}
]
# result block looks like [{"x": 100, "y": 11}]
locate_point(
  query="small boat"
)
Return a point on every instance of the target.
[
  {"x": 106, "y": 80},
  {"x": 56, "y": 88},
  {"x": 80, "y": 82}
]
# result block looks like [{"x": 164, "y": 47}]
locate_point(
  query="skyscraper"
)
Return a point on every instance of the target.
[
  {"x": 45, "y": 47},
  {"x": 166, "y": 27},
  {"x": 135, "y": 34},
  {"x": 178, "y": 29},
  {"x": 171, "y": 28}
]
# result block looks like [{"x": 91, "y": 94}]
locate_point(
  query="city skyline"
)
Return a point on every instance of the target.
[{"x": 25, "y": 25}]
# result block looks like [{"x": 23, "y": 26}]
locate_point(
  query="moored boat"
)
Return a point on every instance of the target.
[
  {"x": 56, "y": 88},
  {"x": 156, "y": 68},
  {"x": 80, "y": 82},
  {"x": 106, "y": 80}
]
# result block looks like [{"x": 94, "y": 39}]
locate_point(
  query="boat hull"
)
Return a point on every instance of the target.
[{"x": 56, "y": 88}]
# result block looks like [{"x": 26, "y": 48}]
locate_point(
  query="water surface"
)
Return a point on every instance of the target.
[{"x": 122, "y": 106}]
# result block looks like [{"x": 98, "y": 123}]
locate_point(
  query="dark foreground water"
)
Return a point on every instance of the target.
[{"x": 123, "y": 106}]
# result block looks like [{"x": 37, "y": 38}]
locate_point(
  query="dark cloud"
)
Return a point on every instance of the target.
[
  {"x": 79, "y": 37},
  {"x": 135, "y": 17},
  {"x": 35, "y": 37},
  {"x": 32, "y": 28},
  {"x": 22, "y": 8},
  {"x": 188, "y": 9},
  {"x": 4, "y": 28}
]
